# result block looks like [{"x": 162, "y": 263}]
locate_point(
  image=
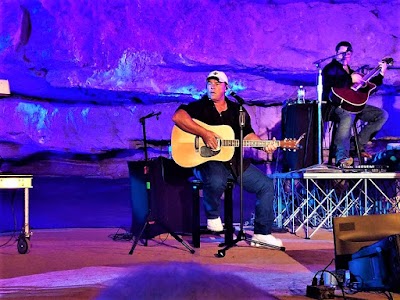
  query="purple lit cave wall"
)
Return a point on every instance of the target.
[{"x": 82, "y": 73}]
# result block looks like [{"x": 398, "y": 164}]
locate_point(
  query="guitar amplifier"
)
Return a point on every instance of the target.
[
  {"x": 298, "y": 119},
  {"x": 166, "y": 193}
]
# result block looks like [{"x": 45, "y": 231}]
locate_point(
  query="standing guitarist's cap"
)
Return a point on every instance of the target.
[{"x": 219, "y": 75}]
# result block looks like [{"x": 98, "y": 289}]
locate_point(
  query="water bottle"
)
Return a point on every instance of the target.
[{"x": 301, "y": 95}]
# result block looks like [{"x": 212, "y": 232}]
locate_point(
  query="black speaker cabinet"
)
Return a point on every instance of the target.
[
  {"x": 166, "y": 193},
  {"x": 377, "y": 267},
  {"x": 296, "y": 120},
  {"x": 351, "y": 233}
]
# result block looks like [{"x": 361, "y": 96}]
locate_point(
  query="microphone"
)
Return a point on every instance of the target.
[
  {"x": 153, "y": 114},
  {"x": 237, "y": 97},
  {"x": 341, "y": 56},
  {"x": 157, "y": 114},
  {"x": 343, "y": 53}
]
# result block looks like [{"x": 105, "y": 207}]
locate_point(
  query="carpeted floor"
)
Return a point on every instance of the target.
[
  {"x": 95, "y": 264},
  {"x": 85, "y": 256}
]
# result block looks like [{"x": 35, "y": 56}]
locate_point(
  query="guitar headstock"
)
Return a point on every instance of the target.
[{"x": 291, "y": 144}]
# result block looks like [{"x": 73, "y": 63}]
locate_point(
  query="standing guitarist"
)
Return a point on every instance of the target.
[
  {"x": 338, "y": 74},
  {"x": 216, "y": 109}
]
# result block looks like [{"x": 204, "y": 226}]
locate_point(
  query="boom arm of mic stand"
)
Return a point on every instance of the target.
[
  {"x": 153, "y": 114},
  {"x": 317, "y": 62}
]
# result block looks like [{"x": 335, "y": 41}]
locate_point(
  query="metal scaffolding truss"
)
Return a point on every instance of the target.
[{"x": 311, "y": 200}]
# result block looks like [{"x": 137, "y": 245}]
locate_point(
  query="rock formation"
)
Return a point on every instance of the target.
[{"x": 82, "y": 73}]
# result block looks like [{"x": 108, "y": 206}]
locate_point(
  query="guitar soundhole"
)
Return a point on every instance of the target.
[{"x": 207, "y": 152}]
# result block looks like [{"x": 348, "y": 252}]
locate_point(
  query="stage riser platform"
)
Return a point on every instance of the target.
[{"x": 309, "y": 201}]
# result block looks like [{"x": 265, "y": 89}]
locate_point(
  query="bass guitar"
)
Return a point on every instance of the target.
[
  {"x": 354, "y": 99},
  {"x": 189, "y": 150}
]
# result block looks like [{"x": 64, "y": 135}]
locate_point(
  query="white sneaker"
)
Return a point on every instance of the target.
[
  {"x": 215, "y": 225},
  {"x": 265, "y": 239}
]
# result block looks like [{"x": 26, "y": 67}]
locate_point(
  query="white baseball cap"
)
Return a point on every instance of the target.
[{"x": 219, "y": 75}]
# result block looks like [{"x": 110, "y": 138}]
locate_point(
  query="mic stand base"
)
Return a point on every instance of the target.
[
  {"x": 169, "y": 231},
  {"x": 242, "y": 237}
]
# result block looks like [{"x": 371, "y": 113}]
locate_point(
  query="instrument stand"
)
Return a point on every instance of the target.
[
  {"x": 241, "y": 236},
  {"x": 149, "y": 218}
]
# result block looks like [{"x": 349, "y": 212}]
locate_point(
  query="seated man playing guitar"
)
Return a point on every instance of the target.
[
  {"x": 216, "y": 109},
  {"x": 346, "y": 93}
]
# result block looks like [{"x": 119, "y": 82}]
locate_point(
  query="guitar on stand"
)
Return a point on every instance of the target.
[
  {"x": 189, "y": 150},
  {"x": 354, "y": 99}
]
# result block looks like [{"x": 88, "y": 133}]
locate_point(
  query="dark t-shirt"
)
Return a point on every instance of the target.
[
  {"x": 333, "y": 75},
  {"x": 204, "y": 110}
]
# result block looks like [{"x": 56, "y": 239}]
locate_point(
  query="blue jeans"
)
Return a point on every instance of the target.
[
  {"x": 374, "y": 117},
  {"x": 214, "y": 176}
]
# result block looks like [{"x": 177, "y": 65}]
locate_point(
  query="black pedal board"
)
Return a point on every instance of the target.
[{"x": 366, "y": 168}]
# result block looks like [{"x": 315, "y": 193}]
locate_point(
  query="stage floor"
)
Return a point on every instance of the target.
[{"x": 81, "y": 263}]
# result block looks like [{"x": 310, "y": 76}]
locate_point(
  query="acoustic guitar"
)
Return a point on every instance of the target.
[
  {"x": 354, "y": 99},
  {"x": 189, "y": 150}
]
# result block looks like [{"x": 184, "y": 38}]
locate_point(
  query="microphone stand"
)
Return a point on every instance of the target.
[
  {"x": 319, "y": 102},
  {"x": 146, "y": 172},
  {"x": 319, "y": 114},
  {"x": 241, "y": 234}
]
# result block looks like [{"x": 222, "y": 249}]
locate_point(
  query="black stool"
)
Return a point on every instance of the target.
[{"x": 229, "y": 230}]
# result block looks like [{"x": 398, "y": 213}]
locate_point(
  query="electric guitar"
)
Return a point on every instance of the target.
[
  {"x": 353, "y": 99},
  {"x": 189, "y": 150}
]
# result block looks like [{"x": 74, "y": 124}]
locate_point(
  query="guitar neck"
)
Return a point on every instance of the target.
[
  {"x": 367, "y": 77},
  {"x": 250, "y": 143},
  {"x": 372, "y": 73}
]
